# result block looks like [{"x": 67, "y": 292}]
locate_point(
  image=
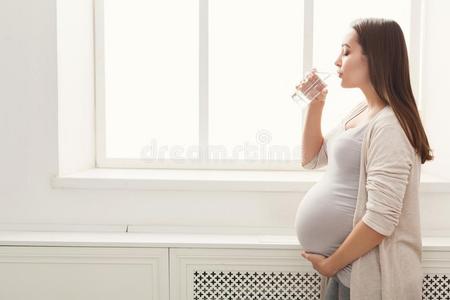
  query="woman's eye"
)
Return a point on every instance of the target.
[{"x": 345, "y": 53}]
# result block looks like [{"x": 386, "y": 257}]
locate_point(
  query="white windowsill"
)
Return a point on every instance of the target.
[
  {"x": 173, "y": 240},
  {"x": 210, "y": 180}
]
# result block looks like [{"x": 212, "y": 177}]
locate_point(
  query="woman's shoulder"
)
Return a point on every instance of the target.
[
  {"x": 386, "y": 129},
  {"x": 386, "y": 117}
]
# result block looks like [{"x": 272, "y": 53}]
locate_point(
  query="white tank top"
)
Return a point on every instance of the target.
[{"x": 325, "y": 215}]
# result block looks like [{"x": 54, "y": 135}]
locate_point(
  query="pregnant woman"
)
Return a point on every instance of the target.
[{"x": 359, "y": 225}]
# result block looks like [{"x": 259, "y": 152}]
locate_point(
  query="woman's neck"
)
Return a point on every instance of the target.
[{"x": 374, "y": 102}]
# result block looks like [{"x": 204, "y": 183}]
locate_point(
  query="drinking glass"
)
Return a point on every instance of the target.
[{"x": 312, "y": 86}]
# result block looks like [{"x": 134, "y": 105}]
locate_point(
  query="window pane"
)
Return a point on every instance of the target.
[
  {"x": 255, "y": 62},
  {"x": 329, "y": 30},
  {"x": 151, "y": 76}
]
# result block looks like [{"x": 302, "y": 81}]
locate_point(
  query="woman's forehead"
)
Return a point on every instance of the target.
[{"x": 350, "y": 39}]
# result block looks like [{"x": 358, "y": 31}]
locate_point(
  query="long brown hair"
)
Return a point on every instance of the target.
[{"x": 383, "y": 43}]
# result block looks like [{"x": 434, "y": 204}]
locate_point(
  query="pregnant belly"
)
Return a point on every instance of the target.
[{"x": 324, "y": 219}]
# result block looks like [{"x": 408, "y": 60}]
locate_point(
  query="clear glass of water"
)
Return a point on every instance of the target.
[{"x": 312, "y": 87}]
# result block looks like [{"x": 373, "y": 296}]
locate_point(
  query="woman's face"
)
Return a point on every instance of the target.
[{"x": 354, "y": 70}]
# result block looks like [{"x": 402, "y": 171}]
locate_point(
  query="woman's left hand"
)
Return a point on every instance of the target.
[{"x": 320, "y": 263}]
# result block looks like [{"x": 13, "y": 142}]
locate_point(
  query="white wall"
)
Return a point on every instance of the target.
[
  {"x": 29, "y": 142},
  {"x": 436, "y": 83}
]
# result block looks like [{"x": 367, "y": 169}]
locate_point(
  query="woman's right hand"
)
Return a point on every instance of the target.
[{"x": 306, "y": 83}]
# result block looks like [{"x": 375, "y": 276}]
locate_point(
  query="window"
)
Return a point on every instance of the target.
[{"x": 207, "y": 84}]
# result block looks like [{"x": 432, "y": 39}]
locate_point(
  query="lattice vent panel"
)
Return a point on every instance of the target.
[
  {"x": 225, "y": 285},
  {"x": 436, "y": 287}
]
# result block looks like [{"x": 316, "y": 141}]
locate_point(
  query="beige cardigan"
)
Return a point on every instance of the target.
[{"x": 388, "y": 202}]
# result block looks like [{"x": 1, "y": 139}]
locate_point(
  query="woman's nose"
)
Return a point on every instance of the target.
[{"x": 337, "y": 63}]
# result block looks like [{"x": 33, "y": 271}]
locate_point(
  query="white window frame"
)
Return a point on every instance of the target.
[{"x": 101, "y": 160}]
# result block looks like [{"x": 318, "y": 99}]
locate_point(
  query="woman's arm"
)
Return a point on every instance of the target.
[
  {"x": 360, "y": 241},
  {"x": 312, "y": 134}
]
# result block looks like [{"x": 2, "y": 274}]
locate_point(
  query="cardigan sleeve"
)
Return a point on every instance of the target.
[{"x": 388, "y": 165}]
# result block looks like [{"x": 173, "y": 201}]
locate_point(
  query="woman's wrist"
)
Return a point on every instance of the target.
[
  {"x": 316, "y": 106},
  {"x": 330, "y": 266}
]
